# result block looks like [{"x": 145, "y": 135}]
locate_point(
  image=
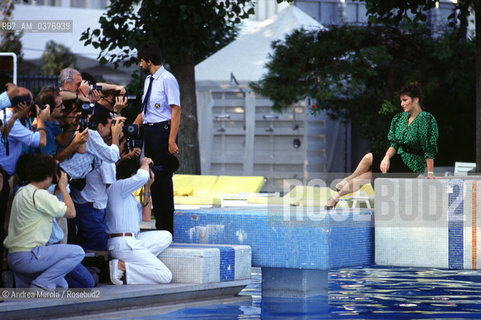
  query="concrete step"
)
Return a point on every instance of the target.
[{"x": 207, "y": 263}]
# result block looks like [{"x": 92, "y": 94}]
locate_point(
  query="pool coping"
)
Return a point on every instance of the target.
[{"x": 116, "y": 298}]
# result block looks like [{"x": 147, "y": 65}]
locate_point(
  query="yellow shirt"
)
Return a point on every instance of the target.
[{"x": 31, "y": 221}]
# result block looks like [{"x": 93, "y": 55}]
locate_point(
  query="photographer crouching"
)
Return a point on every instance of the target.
[
  {"x": 134, "y": 252},
  {"x": 30, "y": 228}
]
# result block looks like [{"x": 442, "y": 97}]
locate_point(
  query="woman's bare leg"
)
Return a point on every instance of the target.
[
  {"x": 351, "y": 186},
  {"x": 364, "y": 166}
]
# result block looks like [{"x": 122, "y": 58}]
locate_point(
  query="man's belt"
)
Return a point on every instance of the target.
[
  {"x": 153, "y": 124},
  {"x": 123, "y": 234}
]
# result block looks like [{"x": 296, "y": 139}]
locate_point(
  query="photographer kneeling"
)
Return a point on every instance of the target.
[
  {"x": 134, "y": 252},
  {"x": 30, "y": 228}
]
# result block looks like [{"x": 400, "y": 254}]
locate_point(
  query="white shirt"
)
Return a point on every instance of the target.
[
  {"x": 164, "y": 93},
  {"x": 95, "y": 190},
  {"x": 124, "y": 213}
]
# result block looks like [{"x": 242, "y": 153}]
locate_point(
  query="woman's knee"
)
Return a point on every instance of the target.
[
  {"x": 368, "y": 158},
  {"x": 76, "y": 252}
]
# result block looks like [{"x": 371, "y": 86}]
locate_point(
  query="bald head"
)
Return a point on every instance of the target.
[
  {"x": 25, "y": 92},
  {"x": 23, "y": 95}
]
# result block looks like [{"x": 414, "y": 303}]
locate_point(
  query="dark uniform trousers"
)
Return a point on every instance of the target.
[{"x": 156, "y": 147}]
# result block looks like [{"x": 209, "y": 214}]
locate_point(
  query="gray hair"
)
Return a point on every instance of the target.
[{"x": 67, "y": 75}]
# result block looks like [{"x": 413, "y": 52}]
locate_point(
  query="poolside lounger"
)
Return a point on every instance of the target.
[{"x": 206, "y": 191}]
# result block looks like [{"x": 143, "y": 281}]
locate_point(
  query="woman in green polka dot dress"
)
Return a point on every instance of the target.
[{"x": 413, "y": 136}]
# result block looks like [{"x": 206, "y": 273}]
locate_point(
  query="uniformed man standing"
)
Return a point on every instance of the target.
[{"x": 160, "y": 116}]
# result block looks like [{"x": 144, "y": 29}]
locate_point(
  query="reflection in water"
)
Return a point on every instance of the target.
[
  {"x": 361, "y": 293},
  {"x": 387, "y": 293}
]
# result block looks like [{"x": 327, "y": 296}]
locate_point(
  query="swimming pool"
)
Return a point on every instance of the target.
[{"x": 357, "y": 293}]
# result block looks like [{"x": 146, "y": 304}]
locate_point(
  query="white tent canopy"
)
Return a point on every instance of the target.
[{"x": 246, "y": 56}]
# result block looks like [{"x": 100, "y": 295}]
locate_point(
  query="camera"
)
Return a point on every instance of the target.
[
  {"x": 131, "y": 133},
  {"x": 86, "y": 110},
  {"x": 131, "y": 129},
  {"x": 57, "y": 176},
  {"x": 41, "y": 106},
  {"x": 19, "y": 99},
  {"x": 94, "y": 87}
]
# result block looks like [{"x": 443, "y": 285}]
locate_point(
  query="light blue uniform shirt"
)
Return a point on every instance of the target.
[
  {"x": 165, "y": 92},
  {"x": 124, "y": 212}
]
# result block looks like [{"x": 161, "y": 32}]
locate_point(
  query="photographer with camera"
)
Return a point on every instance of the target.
[
  {"x": 30, "y": 228},
  {"x": 19, "y": 110},
  {"x": 19, "y": 136},
  {"x": 113, "y": 100},
  {"x": 49, "y": 95},
  {"x": 71, "y": 80},
  {"x": 13, "y": 108},
  {"x": 94, "y": 171},
  {"x": 70, "y": 140},
  {"x": 134, "y": 252},
  {"x": 130, "y": 144}
]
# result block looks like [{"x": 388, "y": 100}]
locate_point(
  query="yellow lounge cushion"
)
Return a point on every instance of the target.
[
  {"x": 193, "y": 185},
  {"x": 365, "y": 190},
  {"x": 184, "y": 191},
  {"x": 236, "y": 184}
]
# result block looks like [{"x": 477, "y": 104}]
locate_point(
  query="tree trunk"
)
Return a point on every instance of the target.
[
  {"x": 477, "y": 9},
  {"x": 188, "y": 137}
]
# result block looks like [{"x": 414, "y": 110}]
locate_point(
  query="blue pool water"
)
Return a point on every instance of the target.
[{"x": 361, "y": 293}]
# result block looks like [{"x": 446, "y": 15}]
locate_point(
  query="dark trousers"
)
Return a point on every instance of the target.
[
  {"x": 91, "y": 225},
  {"x": 156, "y": 147}
]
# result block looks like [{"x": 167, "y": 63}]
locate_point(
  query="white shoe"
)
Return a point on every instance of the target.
[{"x": 115, "y": 273}]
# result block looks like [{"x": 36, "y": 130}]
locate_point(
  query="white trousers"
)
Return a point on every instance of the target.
[{"x": 140, "y": 256}]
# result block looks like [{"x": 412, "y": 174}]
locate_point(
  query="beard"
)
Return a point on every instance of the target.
[{"x": 147, "y": 69}]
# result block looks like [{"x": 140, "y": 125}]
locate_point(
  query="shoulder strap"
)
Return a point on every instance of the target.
[{"x": 33, "y": 196}]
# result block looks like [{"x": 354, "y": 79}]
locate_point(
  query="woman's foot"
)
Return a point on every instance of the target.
[
  {"x": 341, "y": 184},
  {"x": 331, "y": 204}
]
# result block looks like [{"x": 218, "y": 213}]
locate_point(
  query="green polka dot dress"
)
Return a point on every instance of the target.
[{"x": 414, "y": 143}]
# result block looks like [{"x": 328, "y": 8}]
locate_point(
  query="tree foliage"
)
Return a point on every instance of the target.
[
  {"x": 55, "y": 58},
  {"x": 412, "y": 11},
  {"x": 187, "y": 32},
  {"x": 9, "y": 40},
  {"x": 353, "y": 72},
  {"x": 180, "y": 27}
]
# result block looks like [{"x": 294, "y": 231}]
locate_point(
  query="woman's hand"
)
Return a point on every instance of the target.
[{"x": 385, "y": 165}]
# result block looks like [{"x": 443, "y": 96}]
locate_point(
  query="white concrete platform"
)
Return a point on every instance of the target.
[
  {"x": 428, "y": 223},
  {"x": 206, "y": 263}
]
